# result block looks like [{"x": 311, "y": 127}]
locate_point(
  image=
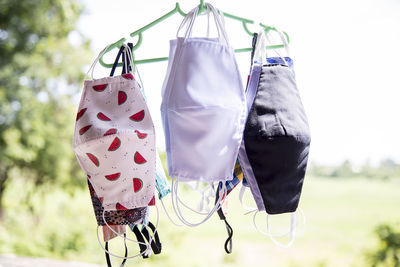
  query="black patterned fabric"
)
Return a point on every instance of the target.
[{"x": 119, "y": 217}]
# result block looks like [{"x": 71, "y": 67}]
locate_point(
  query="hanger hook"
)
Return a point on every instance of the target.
[{"x": 201, "y": 7}]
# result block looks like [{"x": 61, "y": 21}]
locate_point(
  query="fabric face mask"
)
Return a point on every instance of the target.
[
  {"x": 203, "y": 95},
  {"x": 276, "y": 140},
  {"x": 125, "y": 194},
  {"x": 202, "y": 73},
  {"x": 114, "y": 142}
]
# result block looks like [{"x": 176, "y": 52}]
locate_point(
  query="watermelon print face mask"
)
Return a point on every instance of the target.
[
  {"x": 114, "y": 142},
  {"x": 115, "y": 145}
]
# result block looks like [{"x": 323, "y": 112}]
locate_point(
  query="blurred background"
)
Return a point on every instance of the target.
[{"x": 346, "y": 56}]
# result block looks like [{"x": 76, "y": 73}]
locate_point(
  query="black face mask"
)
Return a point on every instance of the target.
[{"x": 276, "y": 137}]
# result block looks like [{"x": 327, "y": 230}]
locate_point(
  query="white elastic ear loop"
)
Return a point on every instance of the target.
[
  {"x": 91, "y": 69},
  {"x": 292, "y": 232},
  {"x": 222, "y": 18},
  {"x": 117, "y": 256},
  {"x": 174, "y": 191},
  {"x": 188, "y": 17},
  {"x": 193, "y": 15},
  {"x": 267, "y": 227},
  {"x": 130, "y": 62},
  {"x": 192, "y": 209},
  {"x": 166, "y": 212},
  {"x": 285, "y": 45},
  {"x": 128, "y": 54},
  {"x": 298, "y": 213},
  {"x": 293, "y": 225},
  {"x": 215, "y": 15},
  {"x": 247, "y": 208},
  {"x": 283, "y": 38},
  {"x": 124, "y": 237},
  {"x": 140, "y": 78},
  {"x": 178, "y": 213},
  {"x": 202, "y": 192},
  {"x": 220, "y": 26},
  {"x": 205, "y": 197},
  {"x": 260, "y": 51}
]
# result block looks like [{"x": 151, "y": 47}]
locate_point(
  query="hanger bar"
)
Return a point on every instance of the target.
[
  {"x": 164, "y": 17},
  {"x": 151, "y": 60},
  {"x": 160, "y": 59},
  {"x": 237, "y": 18},
  {"x": 178, "y": 9}
]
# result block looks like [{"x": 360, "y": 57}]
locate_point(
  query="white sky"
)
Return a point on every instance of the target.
[{"x": 346, "y": 56}]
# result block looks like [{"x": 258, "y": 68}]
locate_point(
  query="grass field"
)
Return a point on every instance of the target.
[{"x": 341, "y": 217}]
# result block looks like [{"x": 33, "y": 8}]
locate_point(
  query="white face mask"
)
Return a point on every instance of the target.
[
  {"x": 203, "y": 107},
  {"x": 114, "y": 142}
]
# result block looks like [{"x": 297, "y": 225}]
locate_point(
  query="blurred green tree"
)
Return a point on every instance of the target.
[
  {"x": 388, "y": 252},
  {"x": 41, "y": 62},
  {"x": 344, "y": 170}
]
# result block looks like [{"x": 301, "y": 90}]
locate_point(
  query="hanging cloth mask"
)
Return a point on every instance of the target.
[
  {"x": 115, "y": 145},
  {"x": 112, "y": 119},
  {"x": 203, "y": 107},
  {"x": 276, "y": 139}
]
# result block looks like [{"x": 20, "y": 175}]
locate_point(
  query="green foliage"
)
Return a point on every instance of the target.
[
  {"x": 39, "y": 72},
  {"x": 341, "y": 217},
  {"x": 385, "y": 170},
  {"x": 388, "y": 251}
]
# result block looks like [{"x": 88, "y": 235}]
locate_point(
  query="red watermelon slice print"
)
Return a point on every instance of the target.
[
  {"x": 113, "y": 177},
  {"x": 84, "y": 129},
  {"x": 100, "y": 87},
  {"x": 128, "y": 76},
  {"x": 122, "y": 97},
  {"x": 111, "y": 131},
  {"x": 120, "y": 207},
  {"x": 152, "y": 201},
  {"x": 139, "y": 159},
  {"x": 94, "y": 159},
  {"x": 140, "y": 135},
  {"x": 80, "y": 113},
  {"x": 102, "y": 117},
  {"x": 137, "y": 116},
  {"x": 116, "y": 143},
  {"x": 137, "y": 184}
]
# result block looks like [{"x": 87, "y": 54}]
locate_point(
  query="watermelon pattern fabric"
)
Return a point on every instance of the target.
[{"x": 114, "y": 142}]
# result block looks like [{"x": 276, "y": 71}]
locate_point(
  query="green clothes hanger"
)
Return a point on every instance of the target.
[{"x": 177, "y": 9}]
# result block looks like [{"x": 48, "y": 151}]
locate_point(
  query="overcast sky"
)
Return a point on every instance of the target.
[{"x": 346, "y": 56}]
